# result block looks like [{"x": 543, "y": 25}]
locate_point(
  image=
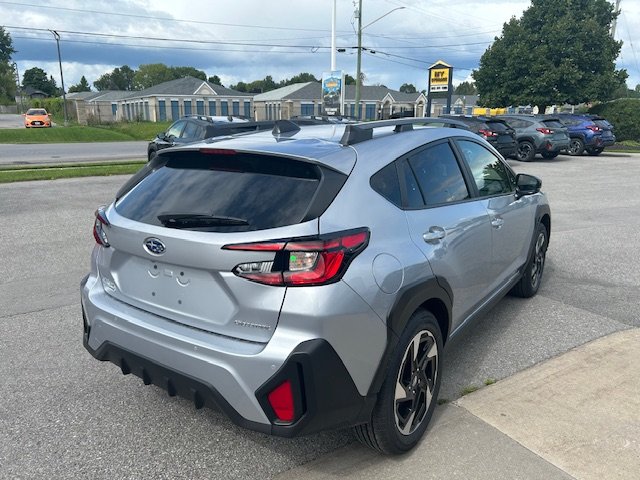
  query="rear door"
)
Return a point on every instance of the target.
[
  {"x": 167, "y": 236},
  {"x": 451, "y": 228}
]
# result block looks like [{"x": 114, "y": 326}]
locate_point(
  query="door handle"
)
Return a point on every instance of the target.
[
  {"x": 434, "y": 235},
  {"x": 497, "y": 222}
]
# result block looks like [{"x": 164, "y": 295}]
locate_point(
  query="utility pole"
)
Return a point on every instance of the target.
[
  {"x": 18, "y": 89},
  {"x": 56, "y": 35},
  {"x": 359, "y": 64},
  {"x": 615, "y": 20}
]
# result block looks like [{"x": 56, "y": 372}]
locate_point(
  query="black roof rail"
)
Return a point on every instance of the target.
[
  {"x": 284, "y": 126},
  {"x": 360, "y": 132}
]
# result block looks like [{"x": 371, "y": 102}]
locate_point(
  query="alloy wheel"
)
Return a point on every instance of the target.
[
  {"x": 416, "y": 382},
  {"x": 538, "y": 260}
]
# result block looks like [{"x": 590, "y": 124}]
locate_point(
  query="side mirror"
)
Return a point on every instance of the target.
[
  {"x": 161, "y": 135},
  {"x": 527, "y": 185}
]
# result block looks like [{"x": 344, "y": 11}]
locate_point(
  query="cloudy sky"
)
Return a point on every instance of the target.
[{"x": 245, "y": 40}]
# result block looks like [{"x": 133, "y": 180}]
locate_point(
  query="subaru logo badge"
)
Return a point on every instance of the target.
[{"x": 154, "y": 246}]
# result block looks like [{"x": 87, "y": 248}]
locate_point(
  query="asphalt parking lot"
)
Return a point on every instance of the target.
[{"x": 65, "y": 415}]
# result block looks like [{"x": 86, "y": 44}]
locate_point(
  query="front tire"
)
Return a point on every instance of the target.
[
  {"x": 409, "y": 392},
  {"x": 532, "y": 276},
  {"x": 526, "y": 151},
  {"x": 595, "y": 151}
]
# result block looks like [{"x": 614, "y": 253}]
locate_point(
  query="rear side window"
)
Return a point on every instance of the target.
[
  {"x": 386, "y": 183},
  {"x": 438, "y": 174},
  {"x": 256, "y": 191}
]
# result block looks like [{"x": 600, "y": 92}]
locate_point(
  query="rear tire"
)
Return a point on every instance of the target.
[
  {"x": 532, "y": 276},
  {"x": 549, "y": 155},
  {"x": 526, "y": 151},
  {"x": 409, "y": 393},
  {"x": 594, "y": 151},
  {"x": 576, "y": 147}
]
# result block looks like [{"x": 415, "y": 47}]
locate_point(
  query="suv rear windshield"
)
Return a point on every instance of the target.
[
  {"x": 553, "y": 123},
  {"x": 229, "y": 192},
  {"x": 498, "y": 126}
]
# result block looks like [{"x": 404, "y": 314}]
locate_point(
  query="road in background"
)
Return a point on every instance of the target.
[
  {"x": 51, "y": 153},
  {"x": 66, "y": 415}
]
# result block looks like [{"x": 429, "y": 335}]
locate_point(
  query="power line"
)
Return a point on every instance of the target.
[{"x": 150, "y": 17}]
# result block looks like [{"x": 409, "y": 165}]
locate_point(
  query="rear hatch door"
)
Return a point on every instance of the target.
[{"x": 167, "y": 235}]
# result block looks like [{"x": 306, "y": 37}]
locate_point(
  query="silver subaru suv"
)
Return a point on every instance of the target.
[{"x": 308, "y": 278}]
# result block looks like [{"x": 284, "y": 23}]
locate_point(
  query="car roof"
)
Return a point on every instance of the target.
[{"x": 322, "y": 143}]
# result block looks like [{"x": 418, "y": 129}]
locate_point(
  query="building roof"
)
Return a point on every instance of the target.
[
  {"x": 313, "y": 91},
  {"x": 188, "y": 86}
]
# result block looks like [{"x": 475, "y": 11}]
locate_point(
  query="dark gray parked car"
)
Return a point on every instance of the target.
[
  {"x": 544, "y": 135},
  {"x": 309, "y": 278}
]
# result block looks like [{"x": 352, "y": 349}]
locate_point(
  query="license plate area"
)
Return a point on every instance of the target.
[{"x": 187, "y": 295}]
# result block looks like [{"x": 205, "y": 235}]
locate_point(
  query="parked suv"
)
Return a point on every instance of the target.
[
  {"x": 195, "y": 128},
  {"x": 589, "y": 133},
  {"x": 544, "y": 135},
  {"x": 308, "y": 278},
  {"x": 495, "y": 131}
]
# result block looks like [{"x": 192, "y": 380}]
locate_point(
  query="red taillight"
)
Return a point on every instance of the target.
[
  {"x": 545, "y": 131},
  {"x": 593, "y": 128},
  {"x": 303, "y": 262},
  {"x": 281, "y": 400},
  {"x": 98, "y": 227},
  {"x": 487, "y": 133},
  {"x": 217, "y": 151}
]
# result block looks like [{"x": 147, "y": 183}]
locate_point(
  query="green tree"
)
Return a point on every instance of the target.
[
  {"x": 303, "y": 77},
  {"x": 121, "y": 78},
  {"x": 466, "y": 88},
  {"x": 181, "y": 72},
  {"x": 349, "y": 80},
  {"x": 216, "y": 80},
  {"x": 7, "y": 72},
  {"x": 82, "y": 86},
  {"x": 240, "y": 87},
  {"x": 408, "y": 88},
  {"x": 559, "y": 51},
  {"x": 36, "y": 78}
]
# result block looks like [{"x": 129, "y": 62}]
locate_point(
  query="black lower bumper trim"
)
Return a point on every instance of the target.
[
  {"x": 175, "y": 383},
  {"x": 326, "y": 397}
]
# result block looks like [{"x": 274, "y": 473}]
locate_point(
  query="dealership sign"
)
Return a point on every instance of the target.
[
  {"x": 332, "y": 92},
  {"x": 440, "y": 77}
]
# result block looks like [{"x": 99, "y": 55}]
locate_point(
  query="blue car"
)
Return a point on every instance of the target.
[{"x": 589, "y": 133}]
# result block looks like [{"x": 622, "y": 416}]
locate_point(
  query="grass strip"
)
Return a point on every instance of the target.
[{"x": 10, "y": 175}]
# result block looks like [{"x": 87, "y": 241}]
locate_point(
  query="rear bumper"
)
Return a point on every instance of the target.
[
  {"x": 234, "y": 376},
  {"x": 553, "y": 146}
]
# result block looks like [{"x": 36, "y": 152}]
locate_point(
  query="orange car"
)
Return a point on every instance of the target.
[{"x": 37, "y": 117}]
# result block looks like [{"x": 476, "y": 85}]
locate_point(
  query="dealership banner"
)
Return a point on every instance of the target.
[{"x": 332, "y": 92}]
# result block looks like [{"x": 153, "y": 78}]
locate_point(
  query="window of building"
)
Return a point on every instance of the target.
[
  {"x": 247, "y": 109},
  {"x": 306, "y": 109},
  {"x": 162, "y": 110},
  {"x": 114, "y": 109},
  {"x": 224, "y": 107},
  {"x": 370, "y": 111},
  {"x": 187, "y": 107},
  {"x": 235, "y": 106},
  {"x": 200, "y": 107},
  {"x": 212, "y": 107},
  {"x": 175, "y": 110}
]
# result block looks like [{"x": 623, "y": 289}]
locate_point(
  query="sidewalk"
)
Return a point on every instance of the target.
[{"x": 576, "y": 416}]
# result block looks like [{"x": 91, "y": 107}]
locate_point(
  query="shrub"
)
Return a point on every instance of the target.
[{"x": 624, "y": 114}]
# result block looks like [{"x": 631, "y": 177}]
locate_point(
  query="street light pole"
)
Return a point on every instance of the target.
[
  {"x": 359, "y": 64},
  {"x": 56, "y": 35},
  {"x": 18, "y": 89}
]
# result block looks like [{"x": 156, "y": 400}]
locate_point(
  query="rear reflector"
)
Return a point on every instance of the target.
[{"x": 281, "y": 400}]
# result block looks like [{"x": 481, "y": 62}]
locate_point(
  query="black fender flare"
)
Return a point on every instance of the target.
[{"x": 435, "y": 292}]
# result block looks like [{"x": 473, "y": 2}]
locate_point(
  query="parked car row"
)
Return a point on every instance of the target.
[{"x": 547, "y": 135}]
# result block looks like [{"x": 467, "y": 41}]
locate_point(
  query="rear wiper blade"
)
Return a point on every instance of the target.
[{"x": 190, "y": 220}]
